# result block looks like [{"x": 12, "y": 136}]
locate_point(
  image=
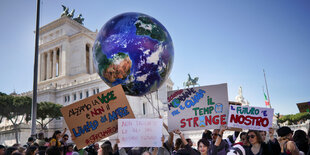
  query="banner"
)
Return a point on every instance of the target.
[
  {"x": 140, "y": 132},
  {"x": 198, "y": 108},
  {"x": 254, "y": 118},
  {"x": 95, "y": 117}
]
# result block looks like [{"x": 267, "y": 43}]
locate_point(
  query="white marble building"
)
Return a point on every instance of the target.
[{"x": 66, "y": 75}]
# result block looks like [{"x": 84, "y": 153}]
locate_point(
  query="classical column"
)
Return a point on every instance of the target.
[
  {"x": 44, "y": 63},
  {"x": 91, "y": 60},
  {"x": 54, "y": 63},
  {"x": 49, "y": 65},
  {"x": 40, "y": 67},
  {"x": 60, "y": 64}
]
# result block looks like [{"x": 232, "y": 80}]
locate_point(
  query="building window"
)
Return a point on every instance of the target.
[
  {"x": 97, "y": 90},
  {"x": 65, "y": 98},
  {"x": 68, "y": 98},
  {"x": 94, "y": 91},
  {"x": 74, "y": 97},
  {"x": 81, "y": 95},
  {"x": 144, "y": 109},
  {"x": 87, "y": 93}
]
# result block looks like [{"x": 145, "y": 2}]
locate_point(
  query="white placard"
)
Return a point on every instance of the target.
[
  {"x": 254, "y": 118},
  {"x": 198, "y": 108},
  {"x": 140, "y": 132}
]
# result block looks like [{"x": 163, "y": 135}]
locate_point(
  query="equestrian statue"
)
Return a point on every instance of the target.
[{"x": 191, "y": 82}]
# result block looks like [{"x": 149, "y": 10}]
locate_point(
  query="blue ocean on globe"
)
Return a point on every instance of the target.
[{"x": 134, "y": 50}]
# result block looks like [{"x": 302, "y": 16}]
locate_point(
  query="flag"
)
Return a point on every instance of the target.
[{"x": 266, "y": 100}]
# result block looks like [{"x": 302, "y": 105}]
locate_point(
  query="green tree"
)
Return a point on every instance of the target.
[
  {"x": 16, "y": 109},
  {"x": 47, "y": 110},
  {"x": 294, "y": 118}
]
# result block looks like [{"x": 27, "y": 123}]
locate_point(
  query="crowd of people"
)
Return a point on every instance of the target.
[{"x": 251, "y": 142}]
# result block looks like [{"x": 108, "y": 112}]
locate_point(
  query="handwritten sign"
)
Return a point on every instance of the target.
[
  {"x": 198, "y": 108},
  {"x": 95, "y": 117},
  {"x": 253, "y": 118},
  {"x": 140, "y": 132}
]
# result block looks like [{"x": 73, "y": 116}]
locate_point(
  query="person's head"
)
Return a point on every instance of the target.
[
  {"x": 32, "y": 150},
  {"x": 285, "y": 133},
  {"x": 65, "y": 137},
  {"x": 236, "y": 150},
  {"x": 215, "y": 133},
  {"x": 70, "y": 148},
  {"x": 96, "y": 146},
  {"x": 263, "y": 135},
  {"x": 106, "y": 149},
  {"x": 178, "y": 143},
  {"x": 41, "y": 136},
  {"x": 53, "y": 150},
  {"x": 10, "y": 150},
  {"x": 254, "y": 137},
  {"x": 146, "y": 153},
  {"x": 2, "y": 150},
  {"x": 300, "y": 136},
  {"x": 189, "y": 141},
  {"x": 57, "y": 135},
  {"x": 244, "y": 139},
  {"x": 30, "y": 140},
  {"x": 203, "y": 145},
  {"x": 207, "y": 134}
]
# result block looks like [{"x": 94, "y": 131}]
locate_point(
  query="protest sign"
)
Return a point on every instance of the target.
[
  {"x": 198, "y": 108},
  {"x": 254, "y": 118},
  {"x": 140, "y": 132},
  {"x": 95, "y": 117}
]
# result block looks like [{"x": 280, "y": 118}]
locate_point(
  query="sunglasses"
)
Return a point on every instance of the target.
[{"x": 251, "y": 136}]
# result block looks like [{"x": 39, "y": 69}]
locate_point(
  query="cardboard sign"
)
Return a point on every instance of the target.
[
  {"x": 198, "y": 108},
  {"x": 95, "y": 117},
  {"x": 140, "y": 132},
  {"x": 254, "y": 118}
]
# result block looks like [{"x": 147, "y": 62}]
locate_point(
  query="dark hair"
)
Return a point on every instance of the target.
[
  {"x": 56, "y": 133},
  {"x": 2, "y": 147},
  {"x": 53, "y": 150},
  {"x": 9, "y": 150},
  {"x": 258, "y": 136},
  {"x": 178, "y": 143},
  {"x": 30, "y": 139},
  {"x": 300, "y": 138},
  {"x": 41, "y": 135},
  {"x": 106, "y": 149},
  {"x": 204, "y": 142},
  {"x": 65, "y": 135},
  {"x": 207, "y": 135},
  {"x": 31, "y": 149},
  {"x": 108, "y": 142}
]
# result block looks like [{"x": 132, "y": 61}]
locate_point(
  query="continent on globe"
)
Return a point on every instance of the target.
[
  {"x": 119, "y": 67},
  {"x": 145, "y": 26}
]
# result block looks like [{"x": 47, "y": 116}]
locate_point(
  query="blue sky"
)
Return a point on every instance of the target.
[{"x": 218, "y": 41}]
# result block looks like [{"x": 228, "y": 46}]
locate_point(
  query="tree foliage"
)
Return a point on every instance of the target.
[
  {"x": 48, "y": 110},
  {"x": 16, "y": 109},
  {"x": 294, "y": 118}
]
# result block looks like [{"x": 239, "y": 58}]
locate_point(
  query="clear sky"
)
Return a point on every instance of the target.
[{"x": 218, "y": 41}]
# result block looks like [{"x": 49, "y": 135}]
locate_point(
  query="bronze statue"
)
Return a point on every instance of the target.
[
  {"x": 191, "y": 81},
  {"x": 79, "y": 19},
  {"x": 71, "y": 14},
  {"x": 65, "y": 11}
]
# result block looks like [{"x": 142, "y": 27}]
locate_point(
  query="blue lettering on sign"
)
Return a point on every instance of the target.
[
  {"x": 118, "y": 113},
  {"x": 85, "y": 128}
]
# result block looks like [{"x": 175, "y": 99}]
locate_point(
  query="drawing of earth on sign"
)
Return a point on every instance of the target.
[{"x": 134, "y": 50}]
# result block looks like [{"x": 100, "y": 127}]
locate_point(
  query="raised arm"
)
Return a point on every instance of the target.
[
  {"x": 177, "y": 131},
  {"x": 219, "y": 137},
  {"x": 171, "y": 135}
]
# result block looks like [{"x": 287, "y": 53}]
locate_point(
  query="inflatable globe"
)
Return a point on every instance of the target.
[{"x": 134, "y": 50}]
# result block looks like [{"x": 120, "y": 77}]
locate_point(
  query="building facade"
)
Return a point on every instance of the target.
[{"x": 66, "y": 75}]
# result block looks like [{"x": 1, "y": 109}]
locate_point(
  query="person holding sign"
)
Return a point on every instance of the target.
[{"x": 258, "y": 146}]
